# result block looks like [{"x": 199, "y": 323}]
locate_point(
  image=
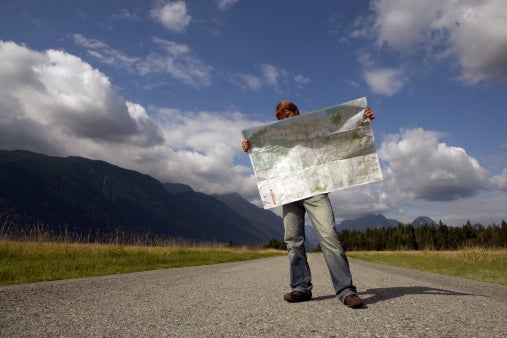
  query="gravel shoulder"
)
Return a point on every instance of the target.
[{"x": 244, "y": 299}]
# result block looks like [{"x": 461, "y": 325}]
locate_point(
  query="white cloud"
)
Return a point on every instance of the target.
[
  {"x": 105, "y": 54},
  {"x": 405, "y": 24},
  {"x": 385, "y": 81},
  {"x": 353, "y": 84},
  {"x": 301, "y": 80},
  {"x": 177, "y": 60},
  {"x": 247, "y": 81},
  {"x": 202, "y": 153},
  {"x": 54, "y": 103},
  {"x": 500, "y": 181},
  {"x": 128, "y": 14},
  {"x": 421, "y": 167},
  {"x": 270, "y": 74},
  {"x": 487, "y": 207},
  {"x": 480, "y": 43},
  {"x": 57, "y": 90},
  {"x": 426, "y": 177},
  {"x": 179, "y": 63},
  {"x": 172, "y": 15},
  {"x": 225, "y": 4},
  {"x": 358, "y": 201},
  {"x": 472, "y": 32}
]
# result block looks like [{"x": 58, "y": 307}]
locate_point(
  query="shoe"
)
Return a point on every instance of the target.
[
  {"x": 297, "y": 296},
  {"x": 353, "y": 301}
]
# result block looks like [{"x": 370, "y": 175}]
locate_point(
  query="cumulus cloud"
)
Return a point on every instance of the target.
[
  {"x": 385, "y": 81},
  {"x": 172, "y": 15},
  {"x": 59, "y": 91},
  {"x": 422, "y": 167},
  {"x": 424, "y": 176},
  {"x": 358, "y": 201},
  {"x": 203, "y": 154},
  {"x": 500, "y": 181},
  {"x": 177, "y": 61},
  {"x": 472, "y": 32},
  {"x": 55, "y": 103}
]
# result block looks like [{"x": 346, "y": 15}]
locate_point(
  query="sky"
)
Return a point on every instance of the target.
[{"x": 165, "y": 88}]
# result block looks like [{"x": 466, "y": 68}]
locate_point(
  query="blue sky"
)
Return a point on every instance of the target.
[{"x": 165, "y": 87}]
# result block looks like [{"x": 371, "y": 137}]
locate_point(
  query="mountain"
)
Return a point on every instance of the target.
[
  {"x": 176, "y": 188},
  {"x": 311, "y": 239},
  {"x": 378, "y": 221},
  {"x": 264, "y": 221},
  {"x": 368, "y": 221},
  {"x": 81, "y": 194},
  {"x": 89, "y": 197},
  {"x": 422, "y": 220}
]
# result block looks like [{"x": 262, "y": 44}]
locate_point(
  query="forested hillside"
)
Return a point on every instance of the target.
[
  {"x": 426, "y": 237},
  {"x": 94, "y": 198}
]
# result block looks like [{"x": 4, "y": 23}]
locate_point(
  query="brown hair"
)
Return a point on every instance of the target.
[{"x": 285, "y": 106}]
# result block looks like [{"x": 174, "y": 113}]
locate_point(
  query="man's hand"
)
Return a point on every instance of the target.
[
  {"x": 245, "y": 145},
  {"x": 369, "y": 114}
]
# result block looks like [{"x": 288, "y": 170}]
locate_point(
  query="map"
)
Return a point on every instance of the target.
[{"x": 314, "y": 153}]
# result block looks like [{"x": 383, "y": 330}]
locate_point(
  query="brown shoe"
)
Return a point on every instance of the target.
[
  {"x": 353, "y": 301},
  {"x": 297, "y": 296}
]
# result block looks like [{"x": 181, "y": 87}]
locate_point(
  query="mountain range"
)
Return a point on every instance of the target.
[
  {"x": 378, "y": 221},
  {"x": 90, "y": 196}
]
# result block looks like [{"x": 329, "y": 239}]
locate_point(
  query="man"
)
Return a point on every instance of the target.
[{"x": 320, "y": 211}]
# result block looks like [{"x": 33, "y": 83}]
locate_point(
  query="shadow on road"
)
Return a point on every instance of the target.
[{"x": 371, "y": 296}]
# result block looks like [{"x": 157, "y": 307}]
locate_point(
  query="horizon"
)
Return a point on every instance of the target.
[
  {"x": 338, "y": 221},
  {"x": 165, "y": 88}
]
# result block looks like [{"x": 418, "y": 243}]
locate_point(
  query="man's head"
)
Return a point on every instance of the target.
[{"x": 286, "y": 109}]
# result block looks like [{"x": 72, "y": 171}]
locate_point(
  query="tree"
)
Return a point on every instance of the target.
[
  {"x": 275, "y": 244},
  {"x": 442, "y": 237},
  {"x": 503, "y": 234},
  {"x": 469, "y": 234}
]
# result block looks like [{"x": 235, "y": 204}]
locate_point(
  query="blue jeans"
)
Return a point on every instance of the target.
[{"x": 321, "y": 214}]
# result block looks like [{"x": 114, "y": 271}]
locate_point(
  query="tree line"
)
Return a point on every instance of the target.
[{"x": 425, "y": 237}]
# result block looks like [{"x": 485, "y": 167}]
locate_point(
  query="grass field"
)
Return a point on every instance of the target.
[
  {"x": 474, "y": 263},
  {"x": 25, "y": 261},
  {"x": 38, "y": 261}
]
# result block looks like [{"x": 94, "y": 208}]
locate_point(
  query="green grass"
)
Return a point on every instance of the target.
[
  {"x": 475, "y": 263},
  {"x": 38, "y": 261},
  {"x": 30, "y": 261}
]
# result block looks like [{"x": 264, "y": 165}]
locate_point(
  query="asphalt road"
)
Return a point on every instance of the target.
[{"x": 245, "y": 300}]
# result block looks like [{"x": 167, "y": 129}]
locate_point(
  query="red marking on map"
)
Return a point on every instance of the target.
[{"x": 272, "y": 196}]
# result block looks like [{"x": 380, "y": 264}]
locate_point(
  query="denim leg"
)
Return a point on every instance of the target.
[
  {"x": 294, "y": 224},
  {"x": 321, "y": 214}
]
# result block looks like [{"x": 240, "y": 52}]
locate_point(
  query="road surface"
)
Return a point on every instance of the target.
[{"x": 244, "y": 299}]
